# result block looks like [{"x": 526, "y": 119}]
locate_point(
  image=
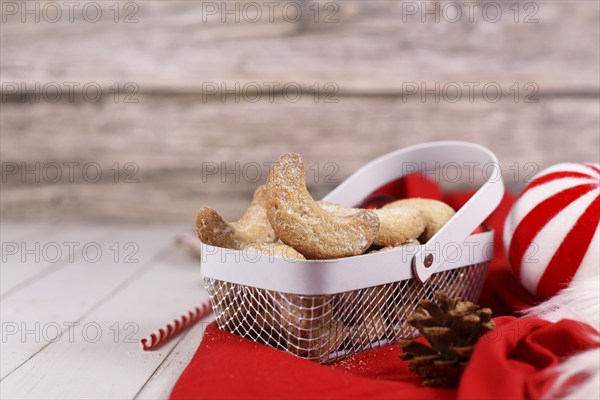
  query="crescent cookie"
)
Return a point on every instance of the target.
[
  {"x": 309, "y": 326},
  {"x": 275, "y": 250},
  {"x": 411, "y": 243},
  {"x": 436, "y": 214},
  {"x": 397, "y": 225},
  {"x": 254, "y": 226},
  {"x": 299, "y": 222}
]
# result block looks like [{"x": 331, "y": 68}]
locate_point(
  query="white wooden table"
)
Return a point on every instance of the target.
[{"x": 76, "y": 300}]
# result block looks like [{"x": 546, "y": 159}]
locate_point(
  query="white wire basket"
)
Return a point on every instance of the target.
[{"x": 325, "y": 310}]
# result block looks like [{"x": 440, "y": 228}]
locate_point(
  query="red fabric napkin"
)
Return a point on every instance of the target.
[{"x": 510, "y": 362}]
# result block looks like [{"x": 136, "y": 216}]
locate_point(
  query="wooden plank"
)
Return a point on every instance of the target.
[
  {"x": 370, "y": 53},
  {"x": 174, "y": 142},
  {"x": 38, "y": 255},
  {"x": 17, "y": 239},
  {"x": 75, "y": 290},
  {"x": 12, "y": 231},
  {"x": 161, "y": 383},
  {"x": 115, "y": 366},
  {"x": 373, "y": 48}
]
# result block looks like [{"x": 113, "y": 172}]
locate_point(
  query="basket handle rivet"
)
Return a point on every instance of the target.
[{"x": 428, "y": 260}]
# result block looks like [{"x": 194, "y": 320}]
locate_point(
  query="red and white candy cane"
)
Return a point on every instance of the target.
[{"x": 178, "y": 325}]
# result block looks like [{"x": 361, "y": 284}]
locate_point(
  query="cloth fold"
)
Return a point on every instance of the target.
[{"x": 511, "y": 362}]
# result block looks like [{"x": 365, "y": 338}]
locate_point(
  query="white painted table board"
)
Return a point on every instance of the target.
[{"x": 123, "y": 301}]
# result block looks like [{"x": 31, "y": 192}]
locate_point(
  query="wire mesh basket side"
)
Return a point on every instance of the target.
[{"x": 329, "y": 327}]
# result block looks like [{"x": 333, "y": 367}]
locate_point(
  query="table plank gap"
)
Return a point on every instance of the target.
[
  {"x": 95, "y": 306},
  {"x": 56, "y": 250},
  {"x": 167, "y": 289},
  {"x": 71, "y": 293},
  {"x": 160, "y": 384}
]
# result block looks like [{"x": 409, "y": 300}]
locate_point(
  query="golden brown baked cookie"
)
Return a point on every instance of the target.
[
  {"x": 397, "y": 225},
  {"x": 253, "y": 227},
  {"x": 248, "y": 312},
  {"x": 275, "y": 249},
  {"x": 309, "y": 326},
  {"x": 299, "y": 222},
  {"x": 412, "y": 242},
  {"x": 213, "y": 230},
  {"x": 436, "y": 214}
]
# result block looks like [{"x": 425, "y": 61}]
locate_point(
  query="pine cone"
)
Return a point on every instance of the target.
[{"x": 452, "y": 328}]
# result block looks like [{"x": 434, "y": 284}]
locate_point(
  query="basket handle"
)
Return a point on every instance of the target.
[{"x": 430, "y": 156}]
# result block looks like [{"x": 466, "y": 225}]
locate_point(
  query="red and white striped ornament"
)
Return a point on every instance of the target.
[
  {"x": 551, "y": 234},
  {"x": 178, "y": 325}
]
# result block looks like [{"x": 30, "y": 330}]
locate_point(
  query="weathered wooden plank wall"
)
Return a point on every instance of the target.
[{"x": 178, "y": 130}]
